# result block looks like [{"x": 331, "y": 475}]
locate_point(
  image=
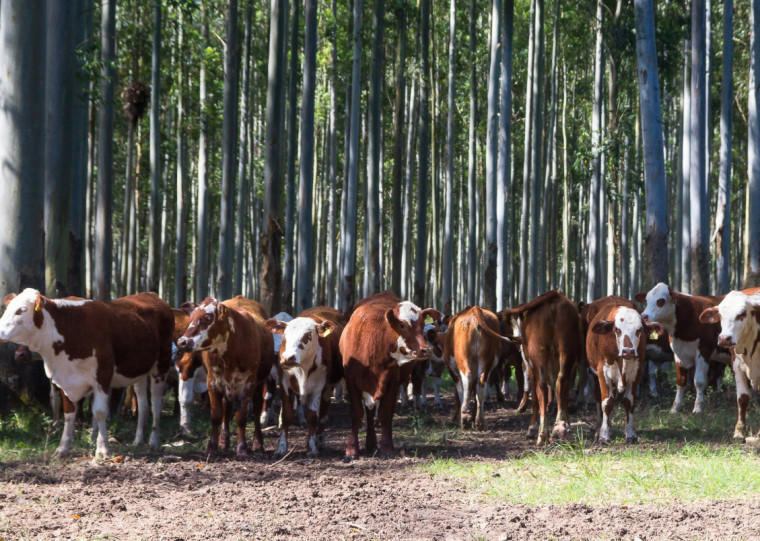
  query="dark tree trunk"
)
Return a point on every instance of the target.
[
  {"x": 154, "y": 222},
  {"x": 292, "y": 153},
  {"x": 398, "y": 153},
  {"x": 420, "y": 252}
]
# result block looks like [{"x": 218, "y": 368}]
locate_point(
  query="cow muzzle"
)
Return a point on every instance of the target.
[
  {"x": 645, "y": 317},
  {"x": 726, "y": 341},
  {"x": 185, "y": 344},
  {"x": 628, "y": 353},
  {"x": 289, "y": 362},
  {"x": 423, "y": 353}
]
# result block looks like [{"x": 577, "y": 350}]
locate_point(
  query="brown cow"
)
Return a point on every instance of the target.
[
  {"x": 240, "y": 357},
  {"x": 551, "y": 333},
  {"x": 472, "y": 349},
  {"x": 379, "y": 346},
  {"x": 93, "y": 346},
  {"x": 310, "y": 365},
  {"x": 616, "y": 358}
]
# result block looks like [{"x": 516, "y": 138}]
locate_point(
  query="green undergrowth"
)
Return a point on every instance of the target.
[{"x": 632, "y": 475}]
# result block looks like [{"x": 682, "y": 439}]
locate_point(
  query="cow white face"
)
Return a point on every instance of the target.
[
  {"x": 737, "y": 315},
  {"x": 22, "y": 319},
  {"x": 408, "y": 322},
  {"x": 206, "y": 325},
  {"x": 628, "y": 328},
  {"x": 661, "y": 306},
  {"x": 300, "y": 340}
]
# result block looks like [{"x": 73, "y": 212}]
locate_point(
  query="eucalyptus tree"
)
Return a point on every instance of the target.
[
  {"x": 333, "y": 158},
  {"x": 154, "y": 220},
  {"x": 447, "y": 259},
  {"x": 397, "y": 207},
  {"x": 723, "y": 212},
  {"x": 492, "y": 154},
  {"x": 752, "y": 276},
  {"x": 203, "y": 198},
  {"x": 420, "y": 251},
  {"x": 292, "y": 154},
  {"x": 593, "y": 277},
  {"x": 472, "y": 249}
]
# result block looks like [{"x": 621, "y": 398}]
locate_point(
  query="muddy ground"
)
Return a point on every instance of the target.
[{"x": 179, "y": 495}]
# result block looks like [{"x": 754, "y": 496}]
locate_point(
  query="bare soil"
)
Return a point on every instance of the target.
[{"x": 182, "y": 496}]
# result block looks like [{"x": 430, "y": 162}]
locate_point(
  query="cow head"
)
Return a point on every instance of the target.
[
  {"x": 738, "y": 315},
  {"x": 209, "y": 324},
  {"x": 23, "y": 317},
  {"x": 627, "y": 326},
  {"x": 660, "y": 306},
  {"x": 300, "y": 340},
  {"x": 408, "y": 321}
]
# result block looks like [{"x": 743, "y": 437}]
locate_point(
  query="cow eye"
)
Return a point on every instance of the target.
[
  {"x": 618, "y": 331},
  {"x": 742, "y": 315},
  {"x": 660, "y": 303},
  {"x": 21, "y": 310}
]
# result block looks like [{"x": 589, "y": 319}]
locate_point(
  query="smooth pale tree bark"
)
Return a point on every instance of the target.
[
  {"x": 685, "y": 215},
  {"x": 241, "y": 207},
  {"x": 306, "y": 163},
  {"x": 536, "y": 259},
  {"x": 565, "y": 190},
  {"x": 398, "y": 152},
  {"x": 492, "y": 156},
  {"x": 22, "y": 176},
  {"x": 154, "y": 220},
  {"x": 525, "y": 202},
  {"x": 333, "y": 157},
  {"x": 503, "y": 174},
  {"x": 104, "y": 215},
  {"x": 656, "y": 247},
  {"x": 271, "y": 270},
  {"x": 348, "y": 278},
  {"x": 411, "y": 164},
  {"x": 472, "y": 248},
  {"x": 183, "y": 194},
  {"x": 202, "y": 208},
  {"x": 60, "y": 102},
  {"x": 373, "y": 152},
  {"x": 420, "y": 251},
  {"x": 700, "y": 275},
  {"x": 292, "y": 154},
  {"x": 229, "y": 149},
  {"x": 723, "y": 211},
  {"x": 593, "y": 277},
  {"x": 447, "y": 257},
  {"x": 752, "y": 276}
]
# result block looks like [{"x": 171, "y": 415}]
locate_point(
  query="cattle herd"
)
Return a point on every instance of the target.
[{"x": 241, "y": 357}]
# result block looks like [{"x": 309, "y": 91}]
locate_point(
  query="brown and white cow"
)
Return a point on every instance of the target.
[
  {"x": 472, "y": 350},
  {"x": 380, "y": 344},
  {"x": 739, "y": 318},
  {"x": 93, "y": 346},
  {"x": 310, "y": 365},
  {"x": 616, "y": 346},
  {"x": 240, "y": 356},
  {"x": 694, "y": 343},
  {"x": 552, "y": 343}
]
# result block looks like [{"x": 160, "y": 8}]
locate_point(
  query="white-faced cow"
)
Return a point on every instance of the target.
[
  {"x": 616, "y": 349},
  {"x": 94, "y": 346},
  {"x": 239, "y": 359},
  {"x": 310, "y": 366},
  {"x": 380, "y": 344},
  {"x": 739, "y": 318}
]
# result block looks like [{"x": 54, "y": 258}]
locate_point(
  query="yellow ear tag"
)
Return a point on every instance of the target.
[
  {"x": 654, "y": 335},
  {"x": 327, "y": 332},
  {"x": 37, "y": 307},
  {"x": 428, "y": 320}
]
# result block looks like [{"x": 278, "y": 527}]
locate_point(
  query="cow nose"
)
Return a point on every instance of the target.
[
  {"x": 424, "y": 351},
  {"x": 289, "y": 361},
  {"x": 184, "y": 344},
  {"x": 629, "y": 353},
  {"x": 725, "y": 341},
  {"x": 644, "y": 317}
]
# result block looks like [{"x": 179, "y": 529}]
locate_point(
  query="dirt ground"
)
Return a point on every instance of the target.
[{"x": 181, "y": 496}]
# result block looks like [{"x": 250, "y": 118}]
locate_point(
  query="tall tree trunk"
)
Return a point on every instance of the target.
[
  {"x": 104, "y": 220},
  {"x": 723, "y": 214},
  {"x": 333, "y": 157},
  {"x": 448, "y": 228},
  {"x": 492, "y": 155},
  {"x": 348, "y": 278},
  {"x": 700, "y": 276},
  {"x": 271, "y": 270},
  {"x": 566, "y": 281},
  {"x": 420, "y": 255},
  {"x": 411, "y": 156},
  {"x": 656, "y": 247},
  {"x": 154, "y": 222},
  {"x": 593, "y": 277},
  {"x": 398, "y": 152},
  {"x": 525, "y": 203},
  {"x": 752, "y": 277},
  {"x": 292, "y": 153},
  {"x": 202, "y": 240},
  {"x": 472, "y": 248},
  {"x": 183, "y": 194},
  {"x": 306, "y": 163},
  {"x": 685, "y": 214}
]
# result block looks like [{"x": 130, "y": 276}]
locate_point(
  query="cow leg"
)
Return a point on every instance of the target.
[
  {"x": 480, "y": 396},
  {"x": 301, "y": 412},
  {"x": 185, "y": 397},
  {"x": 69, "y": 419},
  {"x": 226, "y": 416},
  {"x": 157, "y": 385},
  {"x": 700, "y": 380},
  {"x": 312, "y": 406},
  {"x": 456, "y": 412},
  {"x": 258, "y": 436},
  {"x": 99, "y": 414},
  {"x": 357, "y": 412},
  {"x": 324, "y": 404},
  {"x": 742, "y": 397},
  {"x": 385, "y": 414},
  {"x": 466, "y": 414},
  {"x": 526, "y": 388},
  {"x": 265, "y": 415},
  {"x": 55, "y": 402},
  {"x": 339, "y": 393},
  {"x": 141, "y": 393},
  {"x": 681, "y": 373},
  {"x": 286, "y": 419},
  {"x": 371, "y": 439},
  {"x": 217, "y": 412},
  {"x": 241, "y": 419},
  {"x": 652, "y": 371},
  {"x": 629, "y": 402},
  {"x": 564, "y": 383},
  {"x": 437, "y": 391}
]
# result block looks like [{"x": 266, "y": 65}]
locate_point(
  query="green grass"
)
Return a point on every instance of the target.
[{"x": 633, "y": 475}]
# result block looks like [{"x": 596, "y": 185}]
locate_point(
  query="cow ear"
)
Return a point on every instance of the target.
[
  {"x": 672, "y": 295},
  {"x": 41, "y": 300},
  {"x": 188, "y": 307},
  {"x": 325, "y": 328},
  {"x": 275, "y": 326},
  {"x": 603, "y": 326},
  {"x": 641, "y": 297},
  {"x": 431, "y": 316},
  {"x": 653, "y": 327},
  {"x": 222, "y": 310},
  {"x": 393, "y": 321},
  {"x": 8, "y": 298},
  {"x": 710, "y": 316}
]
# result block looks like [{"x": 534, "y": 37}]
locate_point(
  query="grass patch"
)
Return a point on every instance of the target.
[{"x": 633, "y": 475}]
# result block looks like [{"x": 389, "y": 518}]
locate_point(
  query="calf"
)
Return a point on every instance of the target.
[
  {"x": 93, "y": 346},
  {"x": 268, "y": 415},
  {"x": 616, "y": 358},
  {"x": 239, "y": 358},
  {"x": 551, "y": 333},
  {"x": 380, "y": 345},
  {"x": 739, "y": 318},
  {"x": 694, "y": 343},
  {"x": 310, "y": 366},
  {"x": 189, "y": 367},
  {"x": 472, "y": 349}
]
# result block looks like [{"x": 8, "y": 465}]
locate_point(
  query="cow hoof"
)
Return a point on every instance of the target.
[
  {"x": 561, "y": 433},
  {"x": 242, "y": 450},
  {"x": 349, "y": 458},
  {"x": 632, "y": 439},
  {"x": 697, "y": 409},
  {"x": 542, "y": 439}
]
